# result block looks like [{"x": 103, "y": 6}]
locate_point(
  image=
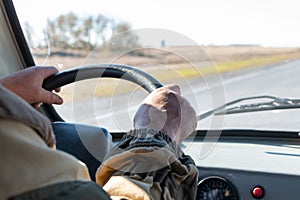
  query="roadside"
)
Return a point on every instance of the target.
[{"x": 169, "y": 65}]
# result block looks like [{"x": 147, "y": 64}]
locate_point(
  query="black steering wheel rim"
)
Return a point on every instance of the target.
[{"x": 118, "y": 71}]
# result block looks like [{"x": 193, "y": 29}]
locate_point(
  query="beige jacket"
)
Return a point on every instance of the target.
[{"x": 27, "y": 161}]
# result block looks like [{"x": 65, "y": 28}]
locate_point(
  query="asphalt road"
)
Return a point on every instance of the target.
[{"x": 281, "y": 80}]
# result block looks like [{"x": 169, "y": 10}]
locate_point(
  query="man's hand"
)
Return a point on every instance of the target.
[
  {"x": 166, "y": 110},
  {"x": 27, "y": 84}
]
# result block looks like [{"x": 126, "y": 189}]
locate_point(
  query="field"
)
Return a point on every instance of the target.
[{"x": 168, "y": 64}]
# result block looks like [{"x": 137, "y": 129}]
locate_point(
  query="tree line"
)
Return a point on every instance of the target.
[{"x": 86, "y": 32}]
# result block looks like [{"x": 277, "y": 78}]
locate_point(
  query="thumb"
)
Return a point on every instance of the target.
[
  {"x": 173, "y": 87},
  {"x": 48, "y": 71}
]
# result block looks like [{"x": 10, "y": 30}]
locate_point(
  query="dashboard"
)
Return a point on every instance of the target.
[
  {"x": 258, "y": 167},
  {"x": 222, "y": 183}
]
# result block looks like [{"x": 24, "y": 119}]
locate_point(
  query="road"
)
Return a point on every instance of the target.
[{"x": 281, "y": 80}]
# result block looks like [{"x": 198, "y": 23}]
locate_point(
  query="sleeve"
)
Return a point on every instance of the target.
[{"x": 147, "y": 164}]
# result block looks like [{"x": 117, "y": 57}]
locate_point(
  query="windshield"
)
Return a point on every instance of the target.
[{"x": 217, "y": 51}]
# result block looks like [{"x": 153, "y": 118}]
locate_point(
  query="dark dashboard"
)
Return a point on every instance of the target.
[{"x": 222, "y": 183}]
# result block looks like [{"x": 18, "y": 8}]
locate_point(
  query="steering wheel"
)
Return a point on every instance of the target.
[{"x": 119, "y": 71}]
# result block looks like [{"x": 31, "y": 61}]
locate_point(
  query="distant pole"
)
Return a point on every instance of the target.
[{"x": 163, "y": 43}]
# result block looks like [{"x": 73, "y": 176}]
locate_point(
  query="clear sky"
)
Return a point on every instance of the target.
[{"x": 218, "y": 22}]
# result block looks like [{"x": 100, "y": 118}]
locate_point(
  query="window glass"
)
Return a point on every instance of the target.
[{"x": 217, "y": 51}]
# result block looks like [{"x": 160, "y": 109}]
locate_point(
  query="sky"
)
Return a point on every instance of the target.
[{"x": 205, "y": 22}]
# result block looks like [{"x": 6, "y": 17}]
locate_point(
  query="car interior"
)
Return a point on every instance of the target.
[{"x": 233, "y": 163}]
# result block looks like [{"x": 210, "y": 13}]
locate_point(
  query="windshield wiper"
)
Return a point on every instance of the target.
[{"x": 273, "y": 104}]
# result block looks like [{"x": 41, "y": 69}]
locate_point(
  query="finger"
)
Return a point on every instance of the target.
[{"x": 50, "y": 97}]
